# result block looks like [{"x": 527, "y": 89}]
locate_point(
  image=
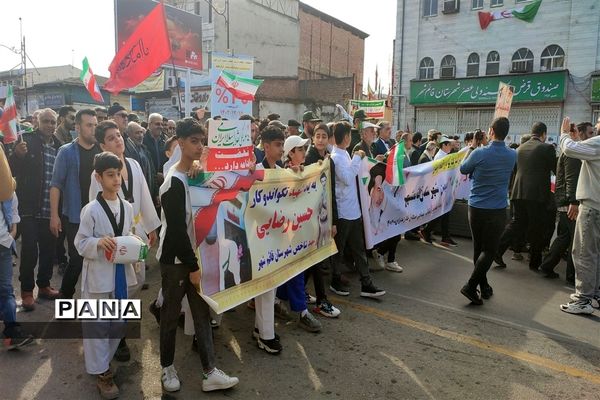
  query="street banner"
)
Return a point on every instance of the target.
[
  {"x": 255, "y": 231},
  {"x": 184, "y": 28},
  {"x": 504, "y": 100},
  {"x": 154, "y": 83},
  {"x": 429, "y": 191},
  {"x": 229, "y": 146},
  {"x": 373, "y": 108},
  {"x": 222, "y": 101}
]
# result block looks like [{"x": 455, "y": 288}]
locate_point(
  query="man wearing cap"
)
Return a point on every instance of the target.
[
  {"x": 359, "y": 117},
  {"x": 367, "y": 139},
  {"x": 273, "y": 117},
  {"x": 119, "y": 114},
  {"x": 293, "y": 128},
  {"x": 446, "y": 145},
  {"x": 280, "y": 125},
  {"x": 309, "y": 121}
]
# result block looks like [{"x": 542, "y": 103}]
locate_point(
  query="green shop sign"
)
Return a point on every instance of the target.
[
  {"x": 596, "y": 89},
  {"x": 549, "y": 86}
]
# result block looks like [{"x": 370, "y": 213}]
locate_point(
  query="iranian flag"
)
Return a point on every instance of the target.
[
  {"x": 89, "y": 80},
  {"x": 395, "y": 162},
  {"x": 526, "y": 13},
  {"x": 8, "y": 121},
  {"x": 241, "y": 88}
]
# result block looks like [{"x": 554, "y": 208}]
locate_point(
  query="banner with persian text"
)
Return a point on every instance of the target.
[
  {"x": 429, "y": 191},
  {"x": 373, "y": 108},
  {"x": 229, "y": 146},
  {"x": 255, "y": 231}
]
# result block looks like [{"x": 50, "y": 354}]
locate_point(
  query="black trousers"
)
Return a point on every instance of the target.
[
  {"x": 486, "y": 227},
  {"x": 316, "y": 271},
  {"x": 389, "y": 246},
  {"x": 61, "y": 252},
  {"x": 75, "y": 263},
  {"x": 176, "y": 284},
  {"x": 444, "y": 222},
  {"x": 530, "y": 217},
  {"x": 37, "y": 244},
  {"x": 563, "y": 242},
  {"x": 350, "y": 237}
]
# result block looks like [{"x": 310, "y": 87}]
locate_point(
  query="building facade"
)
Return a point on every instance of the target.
[{"x": 447, "y": 68}]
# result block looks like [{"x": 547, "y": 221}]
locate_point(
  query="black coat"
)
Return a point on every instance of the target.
[
  {"x": 535, "y": 162},
  {"x": 567, "y": 174},
  {"x": 29, "y": 173}
]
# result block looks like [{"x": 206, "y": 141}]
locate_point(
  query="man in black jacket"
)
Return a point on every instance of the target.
[
  {"x": 530, "y": 194},
  {"x": 567, "y": 174},
  {"x": 32, "y": 163}
]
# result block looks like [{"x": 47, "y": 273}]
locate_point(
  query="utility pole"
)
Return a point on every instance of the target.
[{"x": 24, "y": 65}]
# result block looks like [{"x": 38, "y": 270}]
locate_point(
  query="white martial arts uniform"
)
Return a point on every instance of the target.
[
  {"x": 145, "y": 218},
  {"x": 98, "y": 274}
]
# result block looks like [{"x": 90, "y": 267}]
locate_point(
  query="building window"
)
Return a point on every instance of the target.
[
  {"x": 521, "y": 1},
  {"x": 426, "y": 68},
  {"x": 522, "y": 61},
  {"x": 448, "y": 67},
  {"x": 492, "y": 66},
  {"x": 430, "y": 8},
  {"x": 553, "y": 57},
  {"x": 476, "y": 4},
  {"x": 496, "y": 3},
  {"x": 473, "y": 65}
]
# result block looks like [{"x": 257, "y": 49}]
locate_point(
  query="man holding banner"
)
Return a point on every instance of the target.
[{"x": 490, "y": 168}]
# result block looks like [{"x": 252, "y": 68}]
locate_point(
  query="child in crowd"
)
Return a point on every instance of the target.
[
  {"x": 101, "y": 220},
  {"x": 349, "y": 226},
  {"x": 294, "y": 151},
  {"x": 322, "y": 137},
  {"x": 179, "y": 266}
]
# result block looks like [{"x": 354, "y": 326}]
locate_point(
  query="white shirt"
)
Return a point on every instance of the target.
[
  {"x": 346, "y": 190},
  {"x": 440, "y": 154}
]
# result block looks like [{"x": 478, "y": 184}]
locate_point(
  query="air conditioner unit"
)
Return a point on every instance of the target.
[
  {"x": 451, "y": 6},
  {"x": 447, "y": 72},
  {"x": 172, "y": 81}
]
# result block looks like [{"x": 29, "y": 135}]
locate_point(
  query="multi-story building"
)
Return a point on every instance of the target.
[{"x": 447, "y": 67}]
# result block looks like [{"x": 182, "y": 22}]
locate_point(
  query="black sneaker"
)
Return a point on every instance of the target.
[
  {"x": 371, "y": 290},
  {"x": 122, "y": 353},
  {"x": 17, "y": 339},
  {"x": 472, "y": 294},
  {"x": 486, "y": 292},
  {"x": 499, "y": 262},
  {"x": 550, "y": 274},
  {"x": 154, "y": 310},
  {"x": 272, "y": 346},
  {"x": 448, "y": 242},
  {"x": 256, "y": 334},
  {"x": 411, "y": 236},
  {"x": 338, "y": 288}
]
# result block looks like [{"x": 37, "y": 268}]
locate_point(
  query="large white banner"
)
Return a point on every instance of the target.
[{"x": 429, "y": 191}]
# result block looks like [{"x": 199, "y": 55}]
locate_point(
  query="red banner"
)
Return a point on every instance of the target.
[{"x": 144, "y": 51}]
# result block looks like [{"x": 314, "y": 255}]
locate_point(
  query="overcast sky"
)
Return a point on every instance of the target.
[{"x": 60, "y": 32}]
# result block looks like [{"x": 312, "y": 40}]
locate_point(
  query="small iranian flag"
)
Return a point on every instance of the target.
[
  {"x": 241, "y": 88},
  {"x": 8, "y": 121},
  {"x": 526, "y": 13},
  {"x": 395, "y": 162},
  {"x": 89, "y": 80}
]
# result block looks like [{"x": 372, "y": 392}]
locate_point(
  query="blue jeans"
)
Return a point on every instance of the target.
[
  {"x": 294, "y": 291},
  {"x": 8, "y": 305}
]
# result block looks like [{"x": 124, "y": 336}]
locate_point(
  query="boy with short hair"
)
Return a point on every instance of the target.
[
  {"x": 102, "y": 220},
  {"x": 179, "y": 266}
]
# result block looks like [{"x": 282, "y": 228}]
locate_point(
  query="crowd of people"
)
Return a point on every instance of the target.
[{"x": 81, "y": 178}]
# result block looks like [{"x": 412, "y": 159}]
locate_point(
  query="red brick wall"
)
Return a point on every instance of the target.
[
  {"x": 328, "y": 90},
  {"x": 278, "y": 89},
  {"x": 327, "y": 50}
]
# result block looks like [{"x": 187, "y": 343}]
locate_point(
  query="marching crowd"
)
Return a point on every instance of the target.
[{"x": 83, "y": 177}]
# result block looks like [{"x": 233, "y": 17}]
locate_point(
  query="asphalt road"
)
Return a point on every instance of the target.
[{"x": 421, "y": 341}]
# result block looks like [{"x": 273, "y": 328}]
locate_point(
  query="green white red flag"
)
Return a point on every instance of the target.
[
  {"x": 526, "y": 13},
  {"x": 394, "y": 174},
  {"x": 8, "y": 121},
  {"x": 240, "y": 87},
  {"x": 89, "y": 81}
]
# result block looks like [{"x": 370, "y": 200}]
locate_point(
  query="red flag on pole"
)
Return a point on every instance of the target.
[{"x": 144, "y": 51}]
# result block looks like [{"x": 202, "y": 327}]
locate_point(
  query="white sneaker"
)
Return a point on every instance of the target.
[
  {"x": 595, "y": 300},
  {"x": 170, "y": 380},
  {"x": 378, "y": 263},
  {"x": 218, "y": 380},
  {"x": 578, "y": 307},
  {"x": 394, "y": 267}
]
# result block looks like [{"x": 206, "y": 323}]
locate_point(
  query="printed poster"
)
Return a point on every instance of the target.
[
  {"x": 373, "y": 108},
  {"x": 504, "y": 100},
  {"x": 222, "y": 102},
  {"x": 255, "y": 231},
  {"x": 229, "y": 146}
]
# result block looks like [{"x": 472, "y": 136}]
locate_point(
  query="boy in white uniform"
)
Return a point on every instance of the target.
[{"x": 101, "y": 220}]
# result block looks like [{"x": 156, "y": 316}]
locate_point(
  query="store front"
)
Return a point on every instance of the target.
[{"x": 456, "y": 106}]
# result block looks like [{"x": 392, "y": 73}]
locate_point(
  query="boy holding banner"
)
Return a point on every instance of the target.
[{"x": 179, "y": 266}]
